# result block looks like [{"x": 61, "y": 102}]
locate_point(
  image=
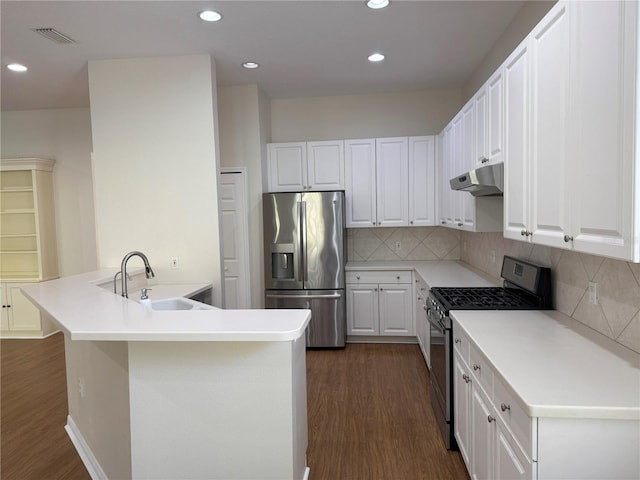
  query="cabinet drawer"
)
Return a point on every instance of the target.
[
  {"x": 421, "y": 286},
  {"x": 461, "y": 344},
  {"x": 481, "y": 370},
  {"x": 357, "y": 277},
  {"x": 514, "y": 417}
]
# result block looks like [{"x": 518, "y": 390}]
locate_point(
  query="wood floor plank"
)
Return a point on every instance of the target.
[
  {"x": 33, "y": 412},
  {"x": 370, "y": 415}
]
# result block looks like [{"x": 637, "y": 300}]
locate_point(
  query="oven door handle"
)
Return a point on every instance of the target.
[{"x": 437, "y": 324}]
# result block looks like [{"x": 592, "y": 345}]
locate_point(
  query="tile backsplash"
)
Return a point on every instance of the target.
[
  {"x": 415, "y": 243},
  {"x": 617, "y": 312}
]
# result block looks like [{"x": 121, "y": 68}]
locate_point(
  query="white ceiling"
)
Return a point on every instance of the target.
[{"x": 305, "y": 48}]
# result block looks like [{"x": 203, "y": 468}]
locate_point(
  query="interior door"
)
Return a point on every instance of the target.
[{"x": 235, "y": 240}]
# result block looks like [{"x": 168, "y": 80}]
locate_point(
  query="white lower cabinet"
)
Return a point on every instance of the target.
[
  {"x": 380, "y": 304},
  {"x": 489, "y": 447},
  {"x": 20, "y": 318}
]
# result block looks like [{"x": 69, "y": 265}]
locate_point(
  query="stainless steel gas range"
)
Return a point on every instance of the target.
[{"x": 525, "y": 287}]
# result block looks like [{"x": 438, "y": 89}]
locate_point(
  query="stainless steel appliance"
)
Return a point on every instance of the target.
[
  {"x": 304, "y": 253},
  {"x": 525, "y": 287},
  {"x": 481, "y": 182}
]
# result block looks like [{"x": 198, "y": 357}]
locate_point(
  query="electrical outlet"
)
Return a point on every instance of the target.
[
  {"x": 398, "y": 245},
  {"x": 492, "y": 256},
  {"x": 593, "y": 293},
  {"x": 174, "y": 263},
  {"x": 81, "y": 387}
]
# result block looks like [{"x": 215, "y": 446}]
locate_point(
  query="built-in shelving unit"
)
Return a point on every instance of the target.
[{"x": 28, "y": 250}]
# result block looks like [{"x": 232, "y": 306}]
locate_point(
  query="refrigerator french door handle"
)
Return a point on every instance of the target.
[
  {"x": 303, "y": 232},
  {"x": 306, "y": 297}
]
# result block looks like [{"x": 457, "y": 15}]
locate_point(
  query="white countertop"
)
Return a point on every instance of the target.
[
  {"x": 441, "y": 273},
  {"x": 88, "y": 312},
  {"x": 555, "y": 365}
]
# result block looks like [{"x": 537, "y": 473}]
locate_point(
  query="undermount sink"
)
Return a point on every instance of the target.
[{"x": 179, "y": 303}]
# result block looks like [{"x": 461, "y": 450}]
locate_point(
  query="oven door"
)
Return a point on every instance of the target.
[{"x": 440, "y": 345}]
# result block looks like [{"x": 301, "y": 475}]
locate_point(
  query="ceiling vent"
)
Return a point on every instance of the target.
[{"x": 54, "y": 35}]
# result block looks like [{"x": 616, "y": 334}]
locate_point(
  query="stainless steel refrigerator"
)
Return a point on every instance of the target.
[{"x": 304, "y": 252}]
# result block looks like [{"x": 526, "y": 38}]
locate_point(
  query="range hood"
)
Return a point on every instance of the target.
[{"x": 483, "y": 181}]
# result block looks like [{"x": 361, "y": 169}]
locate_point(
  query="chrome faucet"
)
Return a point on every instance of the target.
[
  {"x": 123, "y": 269},
  {"x": 115, "y": 279}
]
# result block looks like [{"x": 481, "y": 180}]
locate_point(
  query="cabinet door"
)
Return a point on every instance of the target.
[
  {"x": 4, "y": 315},
  {"x": 509, "y": 462},
  {"x": 481, "y": 111},
  {"x": 362, "y": 310},
  {"x": 445, "y": 205},
  {"x": 422, "y": 181},
  {"x": 516, "y": 168},
  {"x": 360, "y": 183},
  {"x": 604, "y": 82},
  {"x": 461, "y": 397},
  {"x": 396, "y": 310},
  {"x": 550, "y": 128},
  {"x": 325, "y": 165},
  {"x": 482, "y": 434},
  {"x": 287, "y": 165},
  {"x": 495, "y": 118},
  {"x": 392, "y": 176},
  {"x": 457, "y": 167},
  {"x": 23, "y": 315},
  {"x": 467, "y": 163}
]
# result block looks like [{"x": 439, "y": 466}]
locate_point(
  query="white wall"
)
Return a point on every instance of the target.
[
  {"x": 528, "y": 17},
  {"x": 243, "y": 128},
  {"x": 423, "y": 112},
  {"x": 154, "y": 123},
  {"x": 64, "y": 135}
]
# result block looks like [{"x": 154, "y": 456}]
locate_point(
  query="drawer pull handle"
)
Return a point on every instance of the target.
[
  {"x": 466, "y": 378},
  {"x": 476, "y": 367},
  {"x": 568, "y": 238},
  {"x": 358, "y": 277},
  {"x": 504, "y": 407},
  {"x": 457, "y": 340},
  {"x": 398, "y": 277},
  {"x": 490, "y": 419}
]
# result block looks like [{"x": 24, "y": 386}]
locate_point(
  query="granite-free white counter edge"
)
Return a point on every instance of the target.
[
  {"x": 556, "y": 366},
  {"x": 86, "y": 311}
]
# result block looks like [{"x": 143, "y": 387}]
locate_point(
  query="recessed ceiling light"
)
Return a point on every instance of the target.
[
  {"x": 250, "y": 65},
  {"x": 377, "y": 4},
  {"x": 210, "y": 16},
  {"x": 376, "y": 57},
  {"x": 16, "y": 67}
]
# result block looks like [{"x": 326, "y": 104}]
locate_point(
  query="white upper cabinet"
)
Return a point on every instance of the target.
[
  {"x": 457, "y": 156},
  {"x": 422, "y": 175},
  {"x": 549, "y": 170},
  {"x": 360, "y": 178},
  {"x": 325, "y": 165},
  {"x": 392, "y": 178},
  {"x": 516, "y": 191},
  {"x": 390, "y": 182},
  {"x": 570, "y": 113},
  {"x": 287, "y": 166},
  {"x": 489, "y": 122},
  {"x": 604, "y": 219},
  {"x": 304, "y": 166}
]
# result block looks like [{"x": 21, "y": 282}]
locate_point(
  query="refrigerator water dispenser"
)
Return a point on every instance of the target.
[{"x": 282, "y": 265}]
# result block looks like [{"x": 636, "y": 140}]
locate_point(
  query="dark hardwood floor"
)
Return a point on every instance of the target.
[
  {"x": 33, "y": 412},
  {"x": 370, "y": 415}
]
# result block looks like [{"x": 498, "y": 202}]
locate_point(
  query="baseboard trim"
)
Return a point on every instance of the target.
[
  {"x": 82, "y": 447},
  {"x": 376, "y": 339}
]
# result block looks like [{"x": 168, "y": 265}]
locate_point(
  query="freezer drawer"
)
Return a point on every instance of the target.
[{"x": 327, "y": 327}]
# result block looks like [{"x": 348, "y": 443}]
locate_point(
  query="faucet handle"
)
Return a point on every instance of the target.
[{"x": 144, "y": 295}]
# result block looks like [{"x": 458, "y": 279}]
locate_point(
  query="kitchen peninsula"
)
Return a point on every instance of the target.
[{"x": 179, "y": 394}]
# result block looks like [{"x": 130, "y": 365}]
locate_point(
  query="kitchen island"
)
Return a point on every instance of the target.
[{"x": 216, "y": 394}]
